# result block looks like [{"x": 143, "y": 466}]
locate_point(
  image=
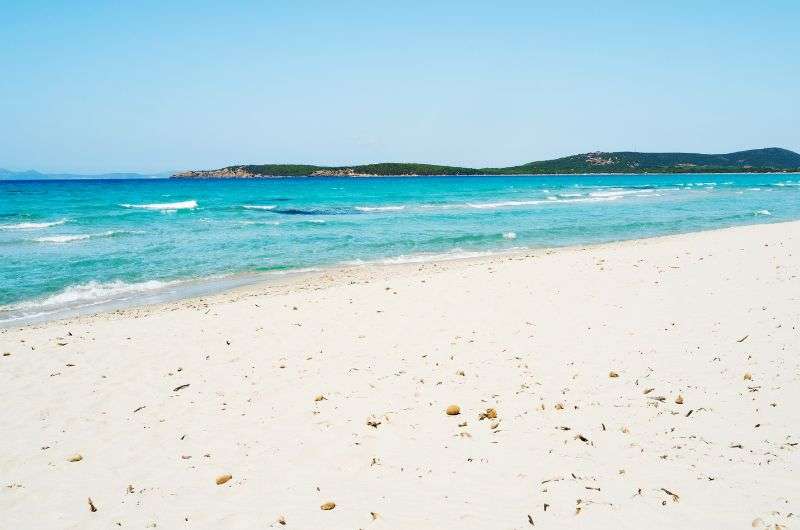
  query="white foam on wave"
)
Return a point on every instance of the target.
[
  {"x": 301, "y": 270},
  {"x": 510, "y": 235},
  {"x": 379, "y": 208},
  {"x": 61, "y": 239},
  {"x": 762, "y": 212},
  {"x": 490, "y": 205},
  {"x": 555, "y": 200},
  {"x": 619, "y": 193},
  {"x": 77, "y": 237},
  {"x": 91, "y": 293},
  {"x": 167, "y": 206},
  {"x": 32, "y": 226},
  {"x": 258, "y": 206},
  {"x": 271, "y": 223},
  {"x": 700, "y": 184},
  {"x": 456, "y": 253},
  {"x": 442, "y": 206}
]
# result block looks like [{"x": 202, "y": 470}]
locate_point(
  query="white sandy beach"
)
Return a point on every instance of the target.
[{"x": 277, "y": 385}]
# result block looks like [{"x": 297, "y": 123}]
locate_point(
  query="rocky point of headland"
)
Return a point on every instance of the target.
[{"x": 227, "y": 172}]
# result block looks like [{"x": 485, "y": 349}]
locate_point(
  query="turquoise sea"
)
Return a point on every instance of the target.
[{"x": 77, "y": 246}]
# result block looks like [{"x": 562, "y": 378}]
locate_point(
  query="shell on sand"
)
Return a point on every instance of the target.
[
  {"x": 748, "y": 376},
  {"x": 328, "y": 506},
  {"x": 75, "y": 458},
  {"x": 612, "y": 373},
  {"x": 490, "y": 414},
  {"x": 679, "y": 399},
  {"x": 319, "y": 397},
  {"x": 453, "y": 410},
  {"x": 222, "y": 479}
]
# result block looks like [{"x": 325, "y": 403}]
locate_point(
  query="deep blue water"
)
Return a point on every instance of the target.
[{"x": 72, "y": 244}]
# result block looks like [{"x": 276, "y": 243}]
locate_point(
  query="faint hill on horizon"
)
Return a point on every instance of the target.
[{"x": 7, "y": 174}]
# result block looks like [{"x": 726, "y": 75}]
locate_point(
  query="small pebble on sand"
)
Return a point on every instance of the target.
[
  {"x": 75, "y": 458},
  {"x": 328, "y": 506},
  {"x": 679, "y": 399},
  {"x": 453, "y": 410},
  {"x": 222, "y": 479},
  {"x": 612, "y": 373}
]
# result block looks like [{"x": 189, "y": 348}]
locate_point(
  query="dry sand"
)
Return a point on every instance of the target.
[{"x": 333, "y": 387}]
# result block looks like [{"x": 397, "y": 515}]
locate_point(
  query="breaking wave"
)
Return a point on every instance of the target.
[
  {"x": 379, "y": 208},
  {"x": 549, "y": 200},
  {"x": 88, "y": 294},
  {"x": 78, "y": 237},
  {"x": 32, "y": 226},
  {"x": 183, "y": 205}
]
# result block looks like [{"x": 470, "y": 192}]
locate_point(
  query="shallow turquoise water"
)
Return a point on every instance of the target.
[{"x": 66, "y": 245}]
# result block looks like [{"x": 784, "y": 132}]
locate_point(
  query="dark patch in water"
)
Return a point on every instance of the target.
[{"x": 315, "y": 211}]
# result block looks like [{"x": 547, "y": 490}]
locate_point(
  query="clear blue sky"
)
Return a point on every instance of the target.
[{"x": 164, "y": 85}]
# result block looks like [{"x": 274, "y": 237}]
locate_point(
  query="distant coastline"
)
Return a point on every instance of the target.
[
  {"x": 32, "y": 175},
  {"x": 768, "y": 160}
]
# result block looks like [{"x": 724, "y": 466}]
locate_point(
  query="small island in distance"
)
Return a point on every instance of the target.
[{"x": 768, "y": 160}]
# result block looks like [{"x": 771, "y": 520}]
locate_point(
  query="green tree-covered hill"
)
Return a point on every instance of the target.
[{"x": 754, "y": 160}]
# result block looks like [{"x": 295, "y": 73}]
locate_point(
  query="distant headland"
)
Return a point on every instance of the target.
[{"x": 768, "y": 160}]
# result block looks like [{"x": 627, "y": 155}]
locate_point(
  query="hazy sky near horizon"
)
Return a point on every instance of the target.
[{"x": 154, "y": 86}]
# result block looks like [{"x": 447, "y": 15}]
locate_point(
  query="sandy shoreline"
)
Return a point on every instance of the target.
[
  {"x": 204, "y": 291},
  {"x": 532, "y": 334}
]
